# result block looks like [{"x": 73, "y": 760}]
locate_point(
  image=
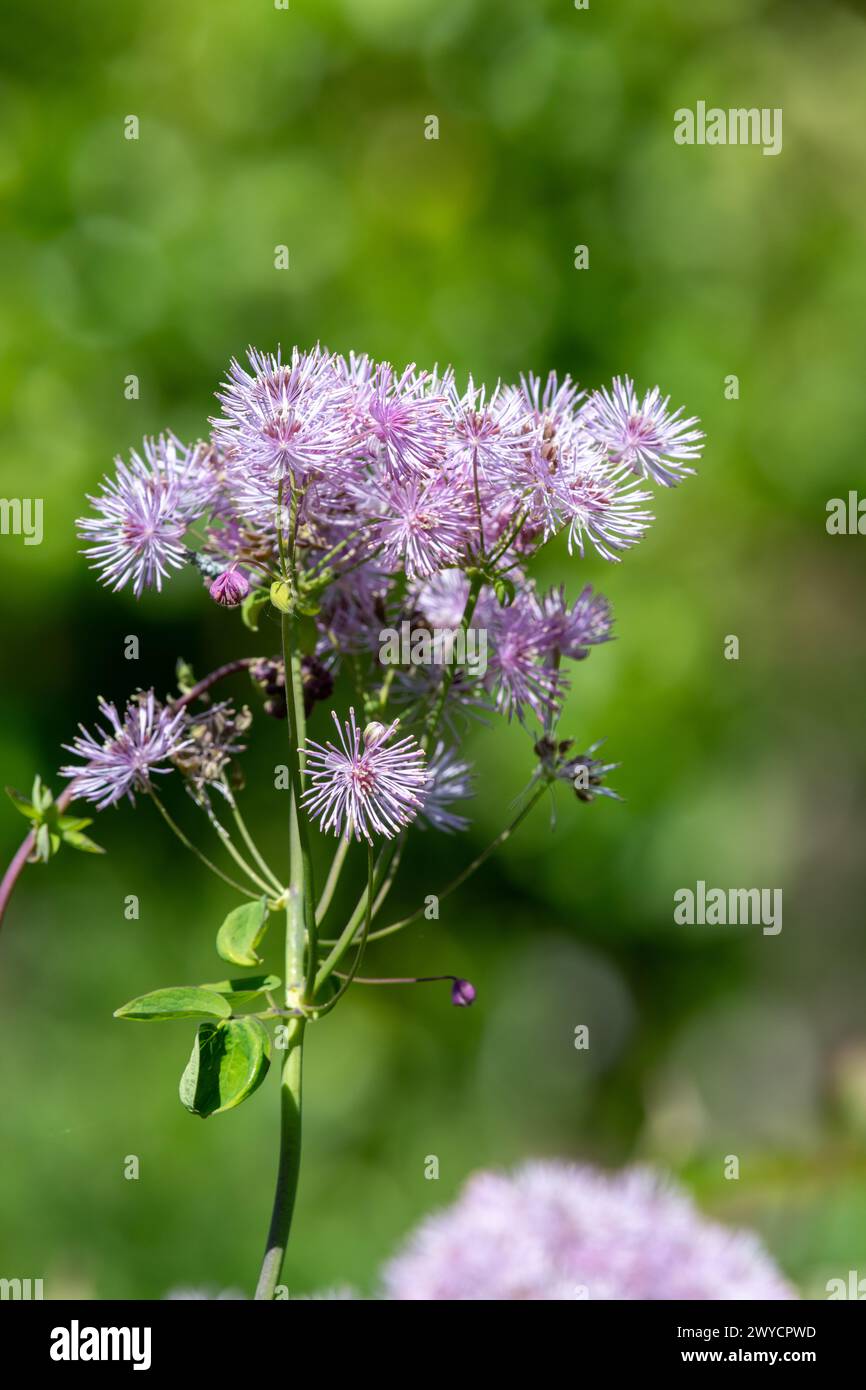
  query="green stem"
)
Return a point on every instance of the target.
[
  {"x": 332, "y": 880},
  {"x": 290, "y": 1161},
  {"x": 270, "y": 889},
  {"x": 188, "y": 844},
  {"x": 391, "y": 874},
  {"x": 509, "y": 536},
  {"x": 300, "y": 920},
  {"x": 362, "y": 944},
  {"x": 478, "y": 510},
  {"x": 470, "y": 868},
  {"x": 281, "y": 539},
  {"x": 301, "y": 867},
  {"x": 385, "y": 688},
  {"x": 253, "y": 847},
  {"x": 347, "y": 936}
]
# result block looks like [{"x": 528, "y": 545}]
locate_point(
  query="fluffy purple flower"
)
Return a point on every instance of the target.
[
  {"x": 360, "y": 791},
  {"x": 515, "y": 670},
  {"x": 121, "y": 760},
  {"x": 553, "y": 1231},
  {"x": 489, "y": 436},
  {"x": 423, "y": 526},
  {"x": 600, "y": 504},
  {"x": 145, "y": 511},
  {"x": 287, "y": 420},
  {"x": 407, "y": 427},
  {"x": 441, "y": 599},
  {"x": 449, "y": 779},
  {"x": 572, "y": 631},
  {"x": 644, "y": 436},
  {"x": 551, "y": 403}
]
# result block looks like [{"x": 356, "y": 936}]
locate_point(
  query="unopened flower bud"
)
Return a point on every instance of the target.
[
  {"x": 374, "y": 733},
  {"x": 462, "y": 994},
  {"x": 229, "y": 589}
]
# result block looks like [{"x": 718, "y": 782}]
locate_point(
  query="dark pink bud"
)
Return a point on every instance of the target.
[
  {"x": 462, "y": 994},
  {"x": 229, "y": 589}
]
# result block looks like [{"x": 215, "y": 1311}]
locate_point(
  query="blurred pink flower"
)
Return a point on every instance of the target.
[{"x": 557, "y": 1231}]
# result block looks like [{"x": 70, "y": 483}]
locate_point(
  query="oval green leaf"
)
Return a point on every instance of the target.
[
  {"x": 228, "y": 1062},
  {"x": 186, "y": 1001},
  {"x": 241, "y": 991},
  {"x": 241, "y": 933}
]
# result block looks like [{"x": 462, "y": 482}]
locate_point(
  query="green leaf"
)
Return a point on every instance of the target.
[
  {"x": 228, "y": 1062},
  {"x": 22, "y": 804},
  {"x": 184, "y": 1001},
  {"x": 252, "y": 607},
  {"x": 241, "y": 933},
  {"x": 241, "y": 991}
]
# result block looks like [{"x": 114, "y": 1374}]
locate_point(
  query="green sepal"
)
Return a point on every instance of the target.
[
  {"x": 229, "y": 1061},
  {"x": 21, "y": 804},
  {"x": 184, "y": 675},
  {"x": 241, "y": 933},
  {"x": 47, "y": 842},
  {"x": 183, "y": 1001},
  {"x": 73, "y": 822},
  {"x": 76, "y": 840},
  {"x": 504, "y": 590},
  {"x": 41, "y": 796},
  {"x": 50, "y": 828}
]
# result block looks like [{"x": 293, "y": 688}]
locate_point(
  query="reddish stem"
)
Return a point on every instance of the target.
[
  {"x": 219, "y": 674},
  {"x": 19, "y": 859}
]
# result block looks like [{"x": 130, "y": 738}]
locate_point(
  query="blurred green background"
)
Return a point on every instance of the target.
[{"x": 305, "y": 127}]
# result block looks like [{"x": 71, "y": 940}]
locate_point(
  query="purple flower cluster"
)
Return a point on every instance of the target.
[
  {"x": 151, "y": 739},
  {"x": 403, "y": 470},
  {"x": 557, "y": 1231},
  {"x": 400, "y": 495}
]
